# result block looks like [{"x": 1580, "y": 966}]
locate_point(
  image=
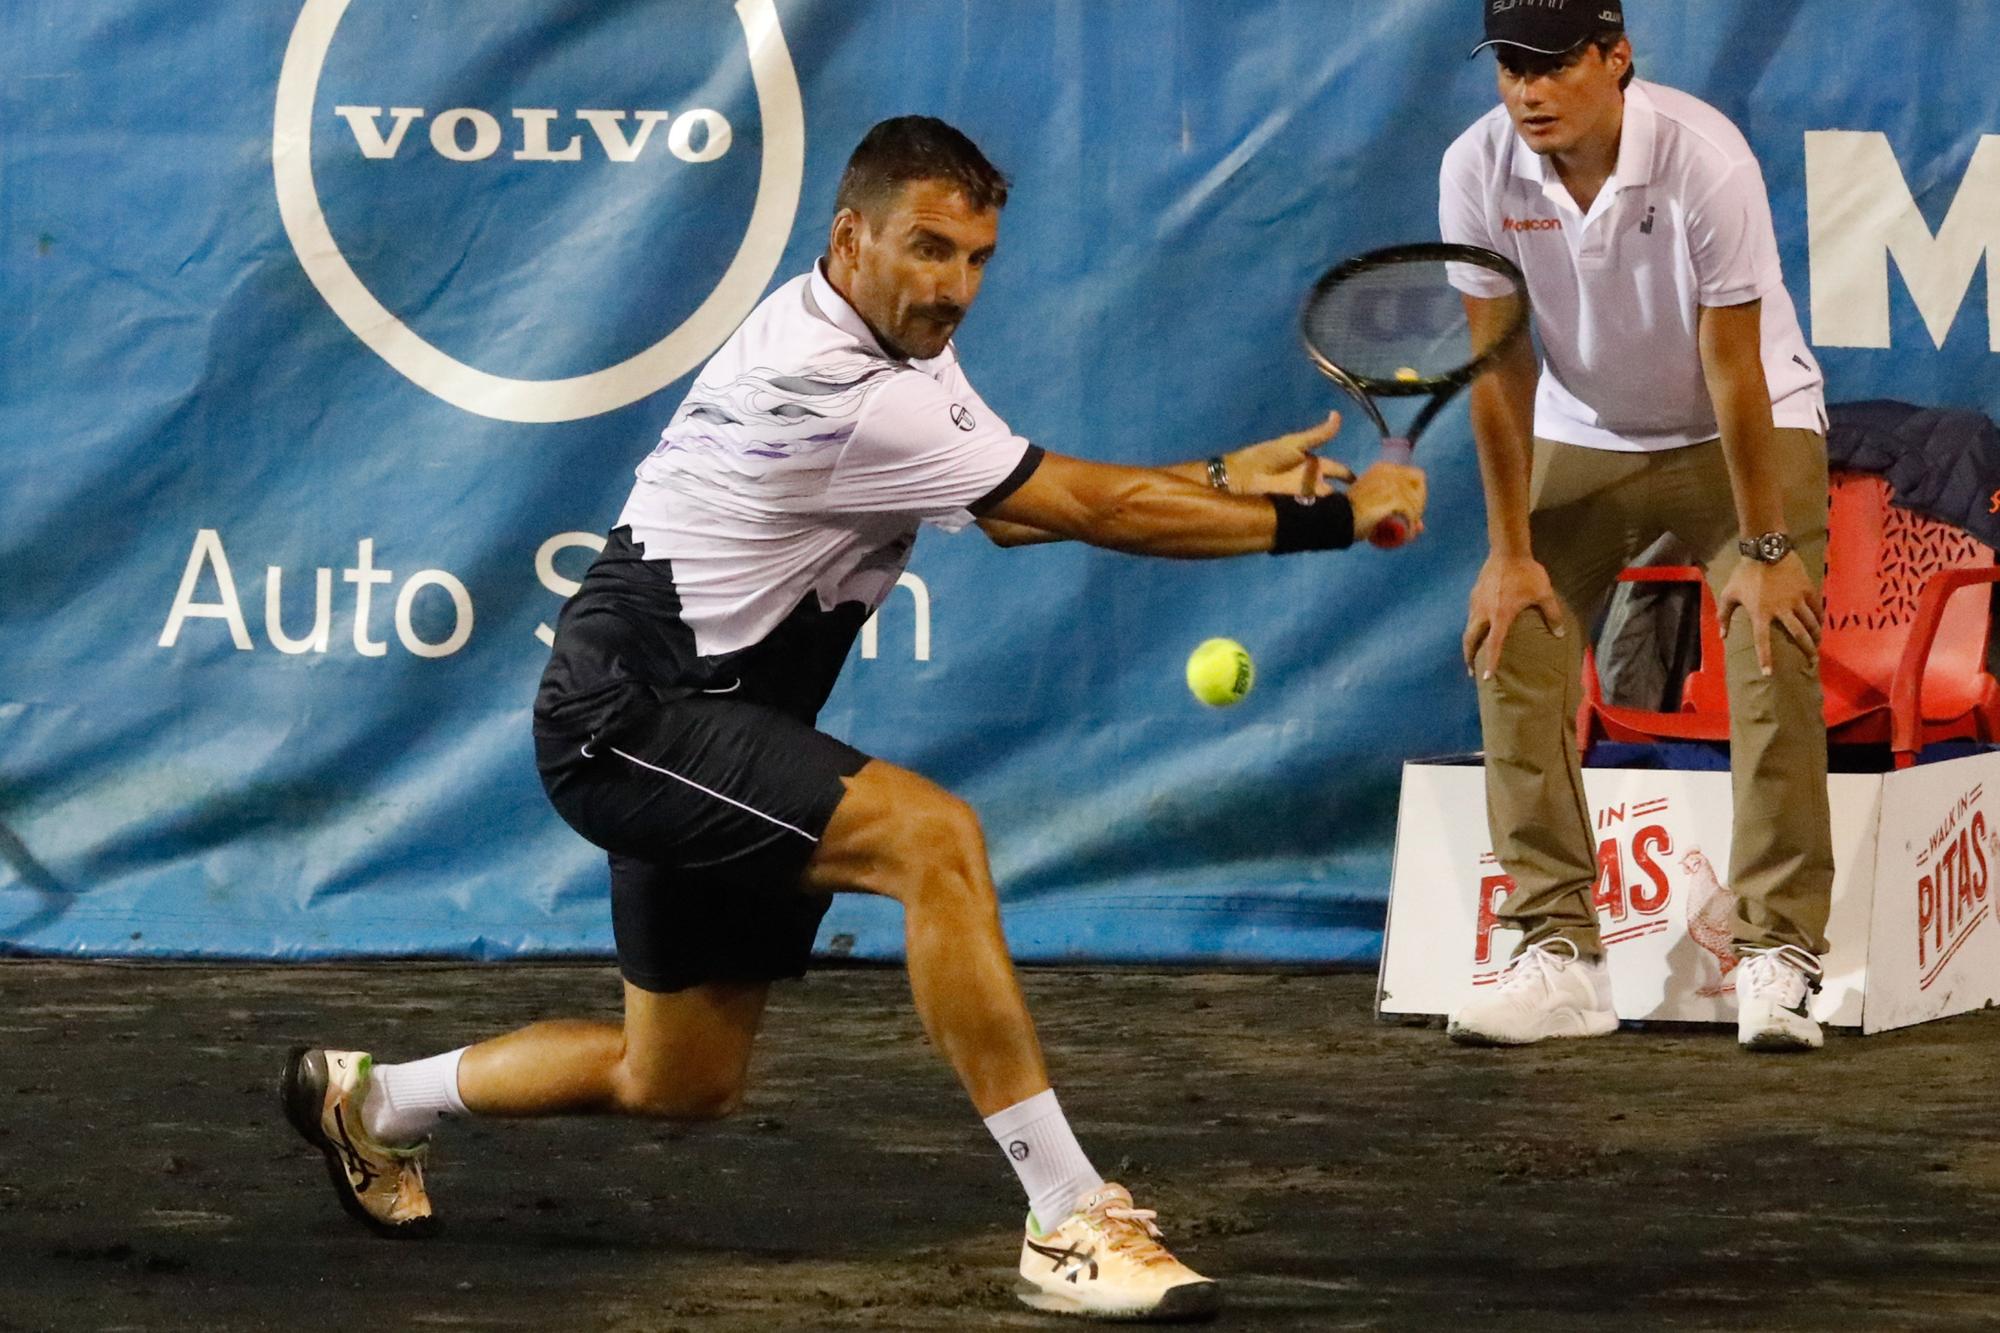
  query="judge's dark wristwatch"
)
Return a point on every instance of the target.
[{"x": 1768, "y": 549}]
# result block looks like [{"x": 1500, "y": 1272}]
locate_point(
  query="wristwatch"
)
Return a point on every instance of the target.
[{"x": 1768, "y": 549}]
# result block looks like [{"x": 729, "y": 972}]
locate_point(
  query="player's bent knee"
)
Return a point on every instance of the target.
[
  {"x": 690, "y": 1098},
  {"x": 946, "y": 827},
  {"x": 904, "y": 836},
  {"x": 686, "y": 1105},
  {"x": 945, "y": 852},
  {"x": 704, "y": 1103}
]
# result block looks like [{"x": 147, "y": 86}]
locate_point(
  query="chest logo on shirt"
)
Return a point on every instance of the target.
[
  {"x": 961, "y": 416},
  {"x": 1646, "y": 227},
  {"x": 1530, "y": 224}
]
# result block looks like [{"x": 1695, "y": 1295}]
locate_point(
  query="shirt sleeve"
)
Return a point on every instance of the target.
[
  {"x": 1731, "y": 239},
  {"x": 1462, "y": 218},
  {"x": 927, "y": 450}
]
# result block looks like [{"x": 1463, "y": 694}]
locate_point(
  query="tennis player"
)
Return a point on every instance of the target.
[
  {"x": 1677, "y": 395},
  {"x": 675, "y": 722}
]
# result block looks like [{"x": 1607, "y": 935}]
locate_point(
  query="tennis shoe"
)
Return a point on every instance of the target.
[
  {"x": 381, "y": 1186},
  {"x": 1107, "y": 1261},
  {"x": 1774, "y": 992},
  {"x": 1549, "y": 990}
]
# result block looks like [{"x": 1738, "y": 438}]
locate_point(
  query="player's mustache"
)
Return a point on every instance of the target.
[{"x": 945, "y": 313}]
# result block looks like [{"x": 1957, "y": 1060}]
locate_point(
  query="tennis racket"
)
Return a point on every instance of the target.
[{"x": 1389, "y": 324}]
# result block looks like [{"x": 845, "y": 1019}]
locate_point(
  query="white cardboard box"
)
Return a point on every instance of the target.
[{"x": 1912, "y": 933}]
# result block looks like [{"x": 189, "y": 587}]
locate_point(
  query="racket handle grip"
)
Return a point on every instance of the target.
[
  {"x": 1394, "y": 530},
  {"x": 1390, "y": 533}
]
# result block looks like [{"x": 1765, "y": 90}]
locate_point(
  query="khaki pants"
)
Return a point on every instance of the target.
[{"x": 1593, "y": 510}]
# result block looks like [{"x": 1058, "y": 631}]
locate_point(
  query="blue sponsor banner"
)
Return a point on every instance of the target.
[{"x": 334, "y": 330}]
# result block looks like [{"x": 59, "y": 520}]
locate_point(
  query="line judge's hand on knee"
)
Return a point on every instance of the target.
[
  {"x": 1507, "y": 586},
  {"x": 1778, "y": 594}
]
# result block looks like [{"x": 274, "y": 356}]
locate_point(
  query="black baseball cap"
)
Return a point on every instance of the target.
[{"x": 1549, "y": 27}]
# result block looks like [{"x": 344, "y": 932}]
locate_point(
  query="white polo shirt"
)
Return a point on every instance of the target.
[
  {"x": 802, "y": 463},
  {"x": 1683, "y": 222}
]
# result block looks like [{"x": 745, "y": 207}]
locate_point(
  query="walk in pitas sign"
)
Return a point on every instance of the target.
[{"x": 1911, "y": 930}]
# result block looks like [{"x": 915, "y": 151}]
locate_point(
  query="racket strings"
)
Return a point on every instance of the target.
[{"x": 1397, "y": 323}]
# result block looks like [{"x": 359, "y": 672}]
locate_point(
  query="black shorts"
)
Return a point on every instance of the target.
[{"x": 710, "y": 808}]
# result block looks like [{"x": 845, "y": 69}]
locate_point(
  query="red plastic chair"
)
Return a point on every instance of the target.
[{"x": 1903, "y": 656}]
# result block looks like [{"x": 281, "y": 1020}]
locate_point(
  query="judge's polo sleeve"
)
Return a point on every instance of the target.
[
  {"x": 1463, "y": 217},
  {"x": 1731, "y": 241},
  {"x": 921, "y": 450}
]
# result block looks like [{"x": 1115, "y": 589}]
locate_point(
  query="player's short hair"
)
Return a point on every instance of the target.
[{"x": 916, "y": 148}]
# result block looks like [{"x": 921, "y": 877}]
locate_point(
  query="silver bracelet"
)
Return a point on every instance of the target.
[{"x": 1218, "y": 473}]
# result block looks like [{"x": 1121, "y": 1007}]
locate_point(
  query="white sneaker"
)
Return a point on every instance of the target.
[
  {"x": 1774, "y": 990},
  {"x": 1547, "y": 991},
  {"x": 1106, "y": 1262}
]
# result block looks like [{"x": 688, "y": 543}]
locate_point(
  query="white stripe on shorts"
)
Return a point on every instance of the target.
[{"x": 655, "y": 768}]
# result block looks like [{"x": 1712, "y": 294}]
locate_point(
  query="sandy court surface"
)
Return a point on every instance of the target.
[{"x": 1334, "y": 1171}]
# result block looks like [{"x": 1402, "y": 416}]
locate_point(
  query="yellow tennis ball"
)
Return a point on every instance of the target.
[
  {"x": 1220, "y": 672},
  {"x": 1408, "y": 373}
]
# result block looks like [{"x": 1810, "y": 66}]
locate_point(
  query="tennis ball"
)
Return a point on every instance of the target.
[
  {"x": 1408, "y": 373},
  {"x": 1220, "y": 672}
]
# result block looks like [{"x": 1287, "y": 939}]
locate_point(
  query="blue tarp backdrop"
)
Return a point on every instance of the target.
[{"x": 332, "y": 331}]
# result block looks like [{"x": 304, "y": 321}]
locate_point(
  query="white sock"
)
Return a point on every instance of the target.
[
  {"x": 1046, "y": 1156},
  {"x": 404, "y": 1101}
]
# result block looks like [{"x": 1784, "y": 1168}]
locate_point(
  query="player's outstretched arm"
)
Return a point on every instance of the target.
[
  {"x": 1149, "y": 511},
  {"x": 1287, "y": 465}
]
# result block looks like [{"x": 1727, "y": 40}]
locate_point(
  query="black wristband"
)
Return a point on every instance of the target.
[{"x": 1325, "y": 523}]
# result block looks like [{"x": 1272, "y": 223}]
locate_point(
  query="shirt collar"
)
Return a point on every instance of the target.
[
  {"x": 831, "y": 306},
  {"x": 1636, "y": 138},
  {"x": 1523, "y": 161},
  {"x": 1636, "y": 135}
]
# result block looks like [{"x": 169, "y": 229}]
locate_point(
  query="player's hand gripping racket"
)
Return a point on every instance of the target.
[{"x": 1390, "y": 324}]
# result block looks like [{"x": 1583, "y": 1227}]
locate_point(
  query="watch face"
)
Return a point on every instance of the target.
[{"x": 1768, "y": 549}]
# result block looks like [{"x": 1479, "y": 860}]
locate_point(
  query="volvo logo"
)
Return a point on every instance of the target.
[
  {"x": 473, "y": 134},
  {"x": 470, "y": 134}
]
